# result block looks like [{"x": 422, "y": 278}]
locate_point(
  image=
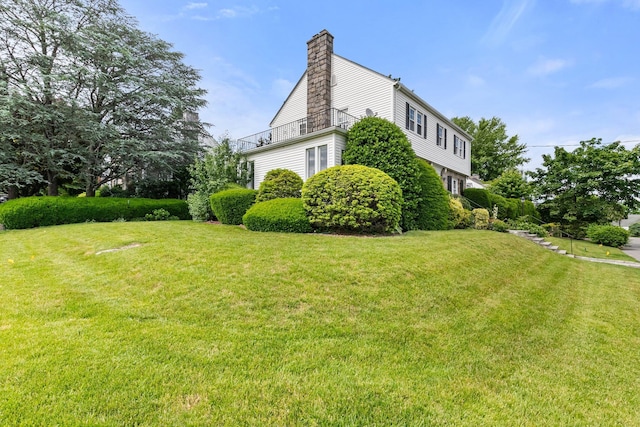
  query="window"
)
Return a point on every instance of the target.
[
  {"x": 454, "y": 189},
  {"x": 317, "y": 160},
  {"x": 412, "y": 118},
  {"x": 311, "y": 162},
  {"x": 441, "y": 136},
  {"x": 459, "y": 147},
  {"x": 419, "y": 127}
]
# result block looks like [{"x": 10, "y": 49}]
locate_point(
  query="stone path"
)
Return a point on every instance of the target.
[{"x": 632, "y": 249}]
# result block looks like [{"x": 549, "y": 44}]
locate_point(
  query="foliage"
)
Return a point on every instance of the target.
[
  {"x": 353, "y": 198},
  {"x": 511, "y": 185},
  {"x": 160, "y": 215},
  {"x": 499, "y": 226},
  {"x": 634, "y": 230},
  {"x": 87, "y": 97},
  {"x": 230, "y": 205},
  {"x": 285, "y": 215},
  {"x": 608, "y": 235},
  {"x": 278, "y": 184},
  {"x": 493, "y": 152},
  {"x": 479, "y": 198},
  {"x": 433, "y": 208},
  {"x": 459, "y": 217},
  {"x": 380, "y": 144},
  {"x": 220, "y": 167},
  {"x": 596, "y": 183},
  {"x": 30, "y": 212},
  {"x": 480, "y": 218}
]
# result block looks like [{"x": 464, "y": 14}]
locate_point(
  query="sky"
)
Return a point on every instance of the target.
[{"x": 557, "y": 72}]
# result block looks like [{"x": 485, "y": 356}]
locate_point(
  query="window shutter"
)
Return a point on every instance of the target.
[
  {"x": 445, "y": 138},
  {"x": 407, "y": 121},
  {"x": 424, "y": 125},
  {"x": 464, "y": 149}
]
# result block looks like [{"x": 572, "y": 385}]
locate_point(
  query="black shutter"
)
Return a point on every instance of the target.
[
  {"x": 445, "y": 138},
  {"x": 449, "y": 183},
  {"x": 424, "y": 125},
  {"x": 407, "y": 123},
  {"x": 464, "y": 149}
]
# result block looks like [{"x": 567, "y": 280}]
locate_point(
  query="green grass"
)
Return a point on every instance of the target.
[
  {"x": 215, "y": 325},
  {"x": 588, "y": 249}
]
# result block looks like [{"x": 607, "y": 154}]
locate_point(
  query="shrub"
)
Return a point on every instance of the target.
[
  {"x": 230, "y": 205},
  {"x": 159, "y": 215},
  {"x": 459, "y": 217},
  {"x": 30, "y": 212},
  {"x": 282, "y": 215},
  {"x": 480, "y": 219},
  {"x": 634, "y": 230},
  {"x": 278, "y": 184},
  {"x": 199, "y": 206},
  {"x": 433, "y": 208},
  {"x": 608, "y": 235},
  {"x": 499, "y": 226},
  {"x": 479, "y": 197},
  {"x": 378, "y": 143},
  {"x": 353, "y": 198},
  {"x": 536, "y": 229}
]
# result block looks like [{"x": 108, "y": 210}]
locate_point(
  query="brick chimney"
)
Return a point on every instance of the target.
[{"x": 319, "y": 51}]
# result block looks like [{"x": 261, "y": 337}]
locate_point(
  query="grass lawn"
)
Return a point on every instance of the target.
[
  {"x": 215, "y": 325},
  {"x": 588, "y": 249}
]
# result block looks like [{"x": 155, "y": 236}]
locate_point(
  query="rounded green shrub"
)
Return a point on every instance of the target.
[
  {"x": 608, "y": 235},
  {"x": 278, "y": 184},
  {"x": 433, "y": 208},
  {"x": 230, "y": 205},
  {"x": 634, "y": 229},
  {"x": 353, "y": 198},
  {"x": 499, "y": 226},
  {"x": 459, "y": 217},
  {"x": 285, "y": 215},
  {"x": 480, "y": 218},
  {"x": 380, "y": 144},
  {"x": 30, "y": 212}
]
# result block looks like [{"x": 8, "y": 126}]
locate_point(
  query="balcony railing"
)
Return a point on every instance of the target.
[{"x": 323, "y": 120}]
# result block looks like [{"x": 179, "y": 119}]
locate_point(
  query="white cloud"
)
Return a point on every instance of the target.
[
  {"x": 545, "y": 67},
  {"x": 611, "y": 83},
  {"x": 191, "y": 6},
  {"x": 238, "y": 12},
  {"x": 505, "y": 20}
]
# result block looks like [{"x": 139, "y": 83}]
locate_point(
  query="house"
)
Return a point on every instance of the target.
[{"x": 308, "y": 133}]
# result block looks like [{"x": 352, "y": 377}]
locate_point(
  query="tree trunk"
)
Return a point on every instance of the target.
[
  {"x": 12, "y": 192},
  {"x": 52, "y": 187},
  {"x": 90, "y": 190}
]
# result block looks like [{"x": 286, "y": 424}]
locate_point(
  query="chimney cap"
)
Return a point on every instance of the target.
[{"x": 320, "y": 34}]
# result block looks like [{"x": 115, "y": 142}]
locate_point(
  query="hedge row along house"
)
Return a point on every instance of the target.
[{"x": 308, "y": 133}]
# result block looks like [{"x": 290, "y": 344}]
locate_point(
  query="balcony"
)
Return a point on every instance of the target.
[{"x": 323, "y": 120}]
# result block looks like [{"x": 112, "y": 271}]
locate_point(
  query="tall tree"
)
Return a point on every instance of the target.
[
  {"x": 492, "y": 151},
  {"x": 101, "y": 98},
  {"x": 512, "y": 185},
  {"x": 596, "y": 183}
]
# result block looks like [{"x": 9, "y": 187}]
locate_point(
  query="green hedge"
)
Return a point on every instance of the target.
[
  {"x": 30, "y": 212},
  {"x": 479, "y": 198},
  {"x": 230, "y": 205},
  {"x": 283, "y": 215},
  {"x": 353, "y": 198},
  {"x": 433, "y": 208}
]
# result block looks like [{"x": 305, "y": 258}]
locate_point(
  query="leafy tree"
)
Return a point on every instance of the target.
[
  {"x": 511, "y": 184},
  {"x": 493, "y": 151},
  {"x": 596, "y": 183},
  {"x": 219, "y": 168},
  {"x": 380, "y": 144},
  {"x": 89, "y": 96}
]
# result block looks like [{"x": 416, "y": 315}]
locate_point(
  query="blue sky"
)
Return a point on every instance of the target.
[{"x": 555, "y": 71}]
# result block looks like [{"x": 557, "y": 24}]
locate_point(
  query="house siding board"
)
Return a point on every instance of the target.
[
  {"x": 295, "y": 107},
  {"x": 293, "y": 157},
  {"x": 426, "y": 148},
  {"x": 358, "y": 88}
]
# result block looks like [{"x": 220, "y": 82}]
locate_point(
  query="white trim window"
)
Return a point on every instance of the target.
[
  {"x": 412, "y": 118},
  {"x": 459, "y": 147},
  {"x": 441, "y": 136},
  {"x": 416, "y": 121},
  {"x": 316, "y": 160}
]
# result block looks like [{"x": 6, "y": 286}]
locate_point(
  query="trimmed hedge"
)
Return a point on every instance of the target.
[
  {"x": 230, "y": 205},
  {"x": 353, "y": 198},
  {"x": 433, "y": 208},
  {"x": 30, "y": 212},
  {"x": 279, "y": 184},
  {"x": 285, "y": 215},
  {"x": 479, "y": 198},
  {"x": 459, "y": 217},
  {"x": 608, "y": 235}
]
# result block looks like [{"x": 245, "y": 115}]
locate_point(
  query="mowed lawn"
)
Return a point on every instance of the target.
[{"x": 215, "y": 325}]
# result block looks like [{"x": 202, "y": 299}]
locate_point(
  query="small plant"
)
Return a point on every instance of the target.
[
  {"x": 459, "y": 217},
  {"x": 608, "y": 235},
  {"x": 480, "y": 219},
  {"x": 499, "y": 226},
  {"x": 278, "y": 184},
  {"x": 634, "y": 230},
  {"x": 159, "y": 215}
]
